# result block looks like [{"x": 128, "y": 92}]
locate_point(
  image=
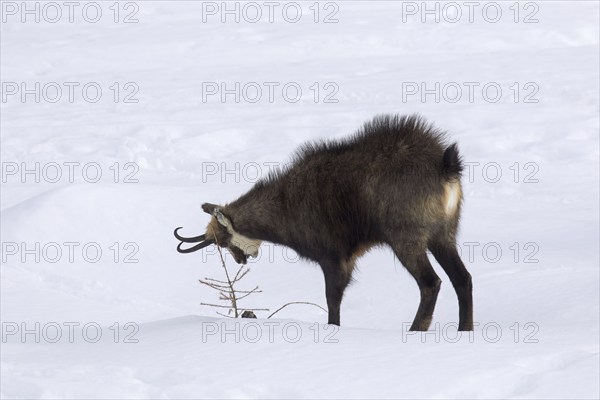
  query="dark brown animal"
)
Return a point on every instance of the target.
[{"x": 394, "y": 182}]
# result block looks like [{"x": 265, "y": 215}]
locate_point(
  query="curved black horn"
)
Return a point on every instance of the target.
[
  {"x": 195, "y": 239},
  {"x": 194, "y": 248}
]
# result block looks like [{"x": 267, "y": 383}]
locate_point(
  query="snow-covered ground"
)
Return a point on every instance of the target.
[{"x": 515, "y": 84}]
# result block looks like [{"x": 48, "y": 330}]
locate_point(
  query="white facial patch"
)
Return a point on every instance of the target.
[
  {"x": 248, "y": 246},
  {"x": 452, "y": 194}
]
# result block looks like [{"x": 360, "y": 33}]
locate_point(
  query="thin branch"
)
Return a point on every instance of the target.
[
  {"x": 233, "y": 301},
  {"x": 242, "y": 276},
  {"x": 213, "y": 286},
  {"x": 226, "y": 289},
  {"x": 214, "y": 305},
  {"x": 224, "y": 296},
  {"x": 217, "y": 281},
  {"x": 235, "y": 279},
  {"x": 295, "y": 302},
  {"x": 239, "y": 309},
  {"x": 224, "y": 315},
  {"x": 249, "y": 293}
]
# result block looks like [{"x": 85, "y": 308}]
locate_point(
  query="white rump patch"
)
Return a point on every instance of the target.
[{"x": 452, "y": 197}]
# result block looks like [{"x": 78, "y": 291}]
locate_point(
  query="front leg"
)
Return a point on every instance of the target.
[{"x": 337, "y": 278}]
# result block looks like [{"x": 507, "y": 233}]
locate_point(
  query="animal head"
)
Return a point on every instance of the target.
[{"x": 221, "y": 231}]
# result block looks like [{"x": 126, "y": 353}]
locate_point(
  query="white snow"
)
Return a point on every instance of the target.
[{"x": 528, "y": 236}]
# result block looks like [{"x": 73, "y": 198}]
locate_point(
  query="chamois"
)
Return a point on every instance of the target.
[{"x": 394, "y": 182}]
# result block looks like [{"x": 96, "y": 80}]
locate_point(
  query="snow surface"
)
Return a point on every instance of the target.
[{"x": 536, "y": 303}]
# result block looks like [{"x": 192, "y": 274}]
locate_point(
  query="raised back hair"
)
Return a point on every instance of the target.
[{"x": 395, "y": 182}]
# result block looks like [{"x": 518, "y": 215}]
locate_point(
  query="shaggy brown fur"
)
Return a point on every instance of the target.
[{"x": 394, "y": 182}]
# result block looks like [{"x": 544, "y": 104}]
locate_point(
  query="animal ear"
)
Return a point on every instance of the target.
[
  {"x": 223, "y": 220},
  {"x": 209, "y": 208}
]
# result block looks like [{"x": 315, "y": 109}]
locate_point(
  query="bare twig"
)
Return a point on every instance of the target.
[
  {"x": 229, "y": 282},
  {"x": 227, "y": 292},
  {"x": 226, "y": 289},
  {"x": 235, "y": 278},
  {"x": 224, "y": 315},
  {"x": 248, "y": 291},
  {"x": 214, "y": 305},
  {"x": 241, "y": 308},
  {"x": 255, "y": 290},
  {"x": 295, "y": 302},
  {"x": 217, "y": 281},
  {"x": 242, "y": 276},
  {"x": 223, "y": 296},
  {"x": 216, "y": 287}
]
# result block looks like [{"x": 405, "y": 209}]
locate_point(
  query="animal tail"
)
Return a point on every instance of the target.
[{"x": 452, "y": 166}]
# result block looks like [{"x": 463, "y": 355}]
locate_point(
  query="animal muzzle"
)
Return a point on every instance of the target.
[{"x": 239, "y": 255}]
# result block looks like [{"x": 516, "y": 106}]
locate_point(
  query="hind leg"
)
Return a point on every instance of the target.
[
  {"x": 447, "y": 256},
  {"x": 414, "y": 258}
]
